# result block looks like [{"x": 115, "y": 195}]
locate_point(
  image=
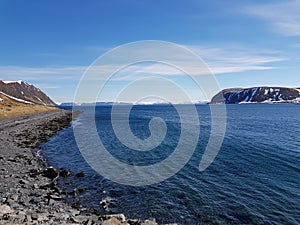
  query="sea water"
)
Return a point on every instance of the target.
[{"x": 254, "y": 179}]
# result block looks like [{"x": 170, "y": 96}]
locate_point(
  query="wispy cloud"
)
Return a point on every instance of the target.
[
  {"x": 284, "y": 16},
  {"x": 233, "y": 59},
  {"x": 41, "y": 73},
  {"x": 236, "y": 59}
]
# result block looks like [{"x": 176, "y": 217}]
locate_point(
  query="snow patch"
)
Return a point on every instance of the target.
[
  {"x": 16, "y": 99},
  {"x": 39, "y": 100},
  {"x": 1, "y": 99},
  {"x": 266, "y": 91},
  {"x": 12, "y": 81}
]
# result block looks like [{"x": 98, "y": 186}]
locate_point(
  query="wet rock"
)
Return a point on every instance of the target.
[
  {"x": 65, "y": 173},
  {"x": 34, "y": 172},
  {"x": 105, "y": 203},
  {"x": 80, "y": 174},
  {"x": 81, "y": 190},
  {"x": 5, "y": 209},
  {"x": 50, "y": 172}
]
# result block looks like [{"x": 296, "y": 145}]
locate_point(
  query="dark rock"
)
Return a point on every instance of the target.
[
  {"x": 65, "y": 173},
  {"x": 81, "y": 190},
  {"x": 80, "y": 174},
  {"x": 50, "y": 172},
  {"x": 34, "y": 172},
  {"x": 104, "y": 203}
]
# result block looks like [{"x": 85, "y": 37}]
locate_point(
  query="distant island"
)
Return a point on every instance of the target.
[
  {"x": 253, "y": 95},
  {"x": 266, "y": 95}
]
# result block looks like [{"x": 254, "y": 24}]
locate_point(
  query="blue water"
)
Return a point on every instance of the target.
[{"x": 254, "y": 179}]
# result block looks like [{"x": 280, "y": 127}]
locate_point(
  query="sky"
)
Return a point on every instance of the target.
[{"x": 51, "y": 43}]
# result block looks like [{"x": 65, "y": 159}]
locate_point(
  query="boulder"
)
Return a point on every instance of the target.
[
  {"x": 50, "y": 172},
  {"x": 112, "y": 221},
  {"x": 5, "y": 209}
]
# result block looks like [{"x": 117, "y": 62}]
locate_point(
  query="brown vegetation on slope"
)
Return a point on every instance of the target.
[{"x": 11, "y": 108}]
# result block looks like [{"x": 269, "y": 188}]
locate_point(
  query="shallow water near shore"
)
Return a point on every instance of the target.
[{"x": 254, "y": 179}]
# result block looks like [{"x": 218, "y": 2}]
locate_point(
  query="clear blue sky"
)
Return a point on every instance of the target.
[{"x": 245, "y": 43}]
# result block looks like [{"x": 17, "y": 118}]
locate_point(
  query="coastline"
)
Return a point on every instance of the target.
[{"x": 28, "y": 192}]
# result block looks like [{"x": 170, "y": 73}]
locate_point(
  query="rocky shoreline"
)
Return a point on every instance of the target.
[{"x": 28, "y": 191}]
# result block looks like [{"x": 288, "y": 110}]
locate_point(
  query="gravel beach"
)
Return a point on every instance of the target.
[{"x": 28, "y": 191}]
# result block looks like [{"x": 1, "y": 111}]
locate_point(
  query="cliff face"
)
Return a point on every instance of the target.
[
  {"x": 257, "y": 95},
  {"x": 24, "y": 91}
]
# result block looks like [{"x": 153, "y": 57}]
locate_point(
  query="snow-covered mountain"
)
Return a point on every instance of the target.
[
  {"x": 257, "y": 95},
  {"x": 22, "y": 91}
]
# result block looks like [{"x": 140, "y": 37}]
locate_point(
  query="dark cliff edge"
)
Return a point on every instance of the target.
[{"x": 265, "y": 95}]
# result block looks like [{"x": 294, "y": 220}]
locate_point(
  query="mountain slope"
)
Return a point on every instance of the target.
[
  {"x": 23, "y": 90},
  {"x": 11, "y": 107},
  {"x": 257, "y": 95}
]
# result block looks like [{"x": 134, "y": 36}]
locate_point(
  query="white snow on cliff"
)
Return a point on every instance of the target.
[
  {"x": 12, "y": 81},
  {"x": 16, "y": 99}
]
